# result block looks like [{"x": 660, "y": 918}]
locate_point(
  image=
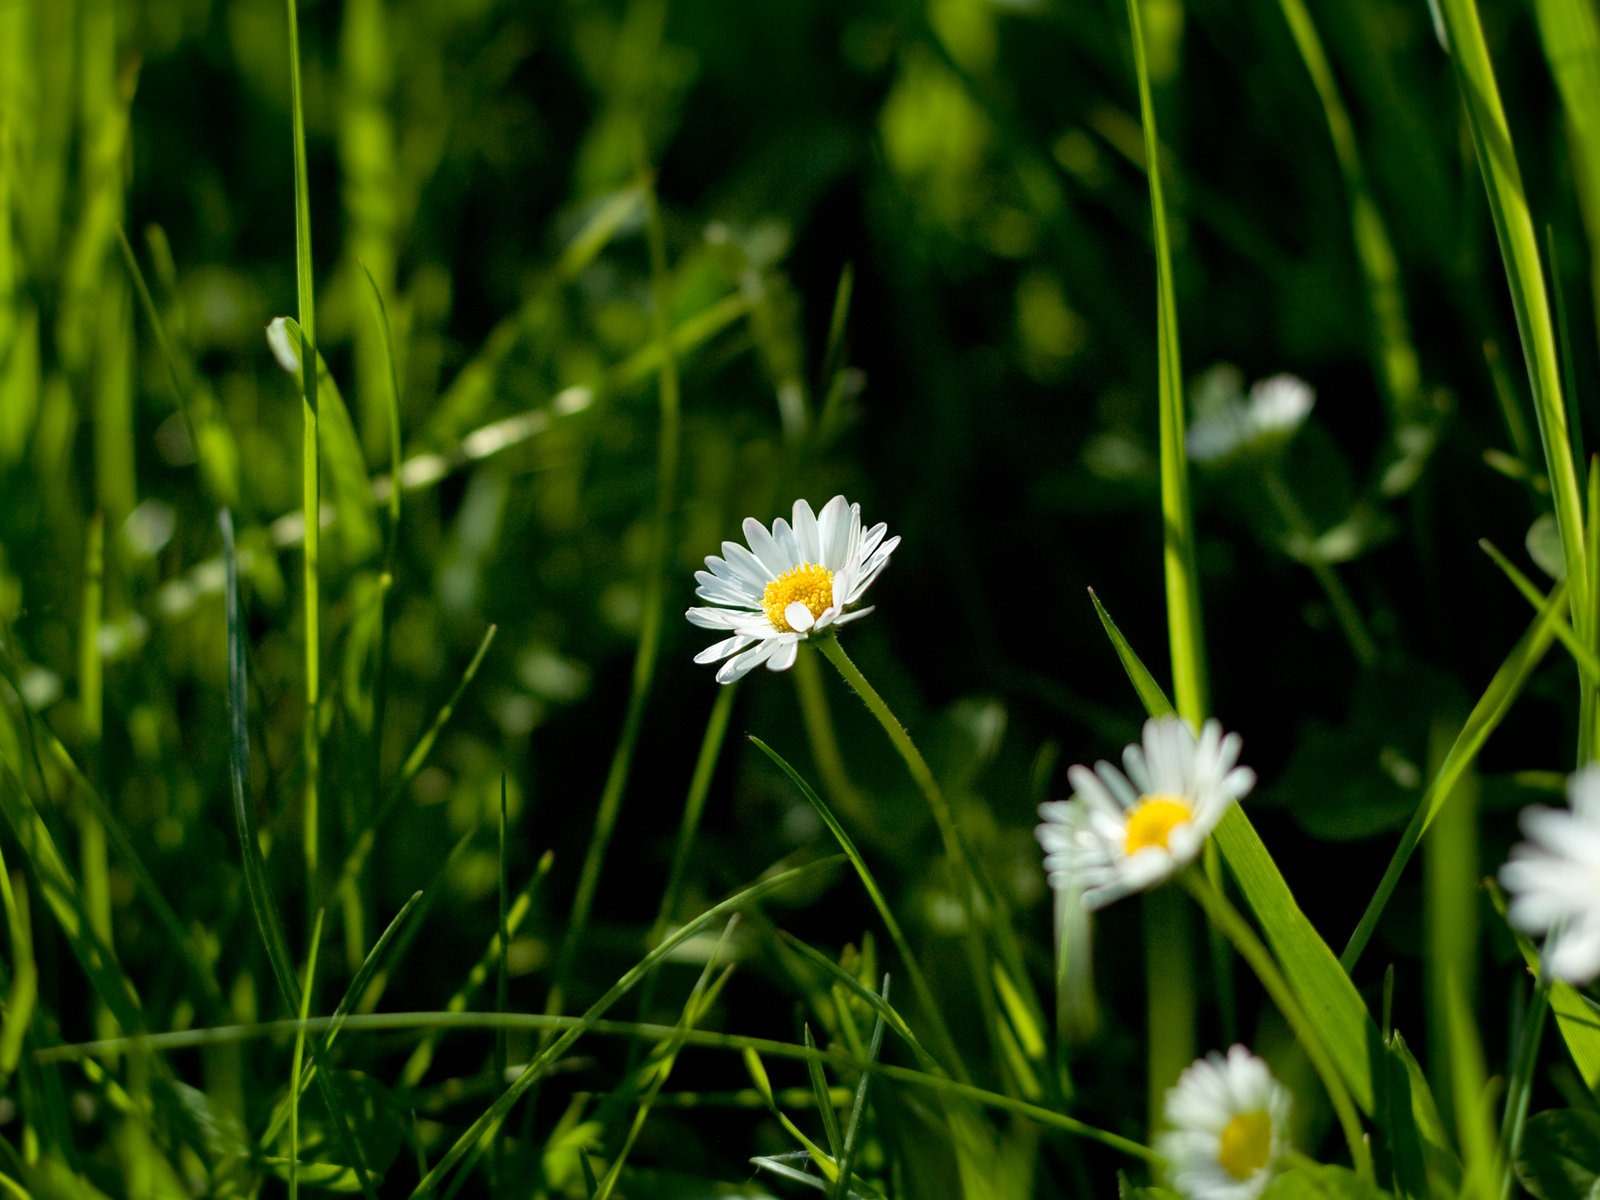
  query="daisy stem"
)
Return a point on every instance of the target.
[
  {"x": 1222, "y": 914},
  {"x": 1344, "y": 608},
  {"x": 824, "y": 745}
]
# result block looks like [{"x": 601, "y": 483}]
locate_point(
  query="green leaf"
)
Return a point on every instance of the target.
[{"x": 1560, "y": 1157}]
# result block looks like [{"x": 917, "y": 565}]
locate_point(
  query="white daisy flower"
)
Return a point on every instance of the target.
[
  {"x": 1554, "y": 880},
  {"x": 1125, "y": 831},
  {"x": 1229, "y": 1123},
  {"x": 1226, "y": 423},
  {"x": 795, "y": 580}
]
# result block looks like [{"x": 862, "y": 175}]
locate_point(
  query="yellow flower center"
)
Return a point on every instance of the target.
[
  {"x": 809, "y": 585},
  {"x": 1246, "y": 1144},
  {"x": 1152, "y": 822}
]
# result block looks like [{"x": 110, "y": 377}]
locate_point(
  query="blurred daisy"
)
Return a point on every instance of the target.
[
  {"x": 795, "y": 580},
  {"x": 1124, "y": 831},
  {"x": 1554, "y": 880},
  {"x": 1227, "y": 423},
  {"x": 1229, "y": 1122}
]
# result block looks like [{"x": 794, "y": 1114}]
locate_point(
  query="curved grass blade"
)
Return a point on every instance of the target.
[
  {"x": 1492, "y": 706},
  {"x": 919, "y": 981},
  {"x": 466, "y": 1148}
]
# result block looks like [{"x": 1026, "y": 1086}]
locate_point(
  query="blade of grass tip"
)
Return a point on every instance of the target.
[
  {"x": 1491, "y": 708},
  {"x": 858, "y": 1107},
  {"x": 880, "y": 1007},
  {"x": 23, "y": 992},
  {"x": 311, "y": 481},
  {"x": 758, "y": 1076},
  {"x": 1318, "y": 979},
  {"x": 644, "y": 662},
  {"x": 949, "y": 1056},
  {"x": 465, "y": 1149},
  {"x": 1519, "y": 249},
  {"x": 819, "y": 1085},
  {"x": 831, "y": 383},
  {"x": 1150, "y": 694},
  {"x": 257, "y": 886},
  {"x": 1587, "y": 661},
  {"x": 298, "y": 1060},
  {"x": 341, "y": 1013}
]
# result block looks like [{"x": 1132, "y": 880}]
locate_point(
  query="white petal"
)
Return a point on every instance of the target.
[
  {"x": 737, "y": 668},
  {"x": 799, "y": 617},
  {"x": 285, "y": 346},
  {"x": 783, "y": 657},
  {"x": 833, "y": 532},
  {"x": 723, "y": 648},
  {"x": 765, "y": 548},
  {"x": 806, "y": 533},
  {"x": 787, "y": 543}
]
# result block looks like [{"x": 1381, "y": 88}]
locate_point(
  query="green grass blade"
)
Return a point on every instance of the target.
[
  {"x": 257, "y": 886},
  {"x": 1182, "y": 578},
  {"x": 1519, "y": 248},
  {"x": 465, "y": 1149},
  {"x": 1587, "y": 661},
  {"x": 23, "y": 991},
  {"x": 1470, "y": 1083},
  {"x": 1399, "y": 374},
  {"x": 295, "y": 1081},
  {"x": 311, "y": 476},
  {"x": 93, "y": 864},
  {"x": 1491, "y": 708},
  {"x": 1320, "y": 983},
  {"x": 949, "y": 1057},
  {"x": 1577, "y": 1017},
  {"x": 858, "y": 1106},
  {"x": 819, "y": 1086},
  {"x": 879, "y": 1005},
  {"x": 1150, "y": 694}
]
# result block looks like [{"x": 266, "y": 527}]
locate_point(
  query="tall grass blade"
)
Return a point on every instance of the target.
[
  {"x": 257, "y": 886},
  {"x": 1519, "y": 248},
  {"x": 295, "y": 1081},
  {"x": 22, "y": 993},
  {"x": 858, "y": 1106}
]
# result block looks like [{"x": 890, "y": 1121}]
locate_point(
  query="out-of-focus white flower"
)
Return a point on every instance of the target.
[
  {"x": 794, "y": 581},
  {"x": 1226, "y": 423},
  {"x": 1125, "y": 831},
  {"x": 1554, "y": 880},
  {"x": 285, "y": 344},
  {"x": 1228, "y": 1134}
]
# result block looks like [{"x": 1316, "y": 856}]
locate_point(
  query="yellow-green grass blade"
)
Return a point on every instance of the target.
[
  {"x": 22, "y": 993},
  {"x": 465, "y": 1149},
  {"x": 310, "y": 480},
  {"x": 824, "y": 1161},
  {"x": 1323, "y": 988},
  {"x": 1398, "y": 372},
  {"x": 1587, "y": 661},
  {"x": 1177, "y": 515},
  {"x": 1480, "y": 1149},
  {"x": 93, "y": 864},
  {"x": 859, "y": 1103},
  {"x": 949, "y": 1058},
  {"x": 372, "y": 208},
  {"x": 1519, "y": 248},
  {"x": 819, "y": 1087},
  {"x": 1144, "y": 684},
  {"x": 1569, "y": 31},
  {"x": 880, "y": 1005},
  {"x": 1491, "y": 708},
  {"x": 1450, "y": 878}
]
